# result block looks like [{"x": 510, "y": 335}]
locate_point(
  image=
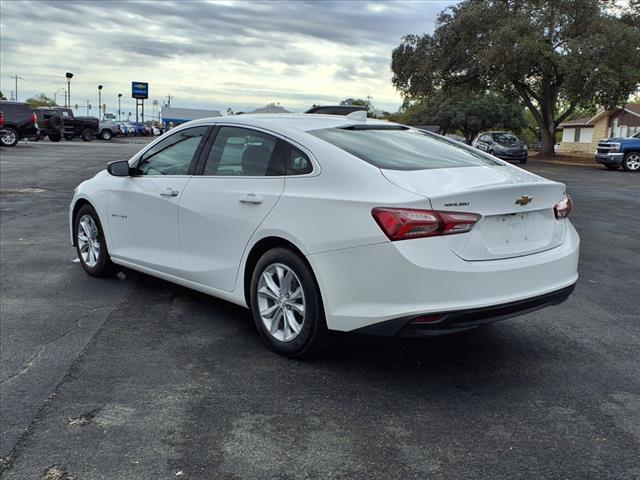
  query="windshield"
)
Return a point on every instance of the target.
[
  {"x": 637, "y": 135},
  {"x": 505, "y": 138},
  {"x": 402, "y": 148}
]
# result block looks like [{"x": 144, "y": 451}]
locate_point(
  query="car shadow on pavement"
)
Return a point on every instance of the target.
[{"x": 491, "y": 354}]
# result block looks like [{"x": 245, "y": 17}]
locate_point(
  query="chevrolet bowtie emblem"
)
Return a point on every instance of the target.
[{"x": 524, "y": 200}]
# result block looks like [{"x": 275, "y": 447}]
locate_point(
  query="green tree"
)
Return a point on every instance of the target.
[
  {"x": 553, "y": 55},
  {"x": 467, "y": 113},
  {"x": 355, "y": 101},
  {"x": 41, "y": 101}
]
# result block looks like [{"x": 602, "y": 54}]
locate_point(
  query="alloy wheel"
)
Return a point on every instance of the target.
[
  {"x": 88, "y": 242},
  {"x": 281, "y": 302},
  {"x": 8, "y": 137},
  {"x": 633, "y": 162}
]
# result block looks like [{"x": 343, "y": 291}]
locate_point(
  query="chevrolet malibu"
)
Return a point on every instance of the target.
[{"x": 323, "y": 222}]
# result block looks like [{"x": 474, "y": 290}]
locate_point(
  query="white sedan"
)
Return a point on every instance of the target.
[{"x": 320, "y": 223}]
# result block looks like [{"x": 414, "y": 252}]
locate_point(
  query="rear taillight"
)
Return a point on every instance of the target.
[
  {"x": 405, "y": 223},
  {"x": 34, "y": 119},
  {"x": 563, "y": 208},
  {"x": 1, "y": 119}
]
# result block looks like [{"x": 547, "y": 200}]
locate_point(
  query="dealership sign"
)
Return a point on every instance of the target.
[{"x": 139, "y": 90}]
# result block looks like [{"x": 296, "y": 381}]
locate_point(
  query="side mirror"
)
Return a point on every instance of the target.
[{"x": 119, "y": 168}]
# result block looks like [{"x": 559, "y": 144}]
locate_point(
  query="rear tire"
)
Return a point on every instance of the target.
[
  {"x": 86, "y": 135},
  {"x": 90, "y": 244},
  {"x": 286, "y": 304},
  {"x": 631, "y": 162},
  {"x": 9, "y": 137},
  {"x": 55, "y": 137}
]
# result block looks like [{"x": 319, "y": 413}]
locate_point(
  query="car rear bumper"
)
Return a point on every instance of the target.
[
  {"x": 368, "y": 285},
  {"x": 458, "y": 321},
  {"x": 610, "y": 158}
]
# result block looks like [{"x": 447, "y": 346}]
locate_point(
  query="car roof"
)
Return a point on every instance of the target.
[{"x": 289, "y": 121}]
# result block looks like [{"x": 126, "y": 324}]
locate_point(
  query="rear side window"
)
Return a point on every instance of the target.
[
  {"x": 402, "y": 149},
  {"x": 244, "y": 152},
  {"x": 298, "y": 162}
]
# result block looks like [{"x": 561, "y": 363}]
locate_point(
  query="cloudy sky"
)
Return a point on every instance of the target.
[{"x": 209, "y": 54}]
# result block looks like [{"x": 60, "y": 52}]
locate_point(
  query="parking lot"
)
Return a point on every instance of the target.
[{"x": 135, "y": 378}]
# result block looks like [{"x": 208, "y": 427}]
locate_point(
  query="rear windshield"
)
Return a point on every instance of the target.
[{"x": 402, "y": 149}]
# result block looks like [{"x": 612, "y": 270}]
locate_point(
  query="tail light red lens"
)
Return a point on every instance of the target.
[
  {"x": 563, "y": 208},
  {"x": 405, "y": 223},
  {"x": 34, "y": 119},
  {"x": 1, "y": 119}
]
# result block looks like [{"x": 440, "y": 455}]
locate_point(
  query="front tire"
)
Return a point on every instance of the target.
[
  {"x": 9, "y": 137},
  {"x": 631, "y": 162},
  {"x": 286, "y": 304},
  {"x": 106, "y": 134},
  {"x": 90, "y": 244}
]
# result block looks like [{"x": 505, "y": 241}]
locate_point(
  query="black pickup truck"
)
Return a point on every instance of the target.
[{"x": 83, "y": 127}]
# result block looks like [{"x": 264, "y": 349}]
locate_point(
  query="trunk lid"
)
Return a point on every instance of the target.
[{"x": 516, "y": 208}]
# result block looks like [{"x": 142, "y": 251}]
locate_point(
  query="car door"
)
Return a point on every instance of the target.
[
  {"x": 143, "y": 208},
  {"x": 237, "y": 184}
]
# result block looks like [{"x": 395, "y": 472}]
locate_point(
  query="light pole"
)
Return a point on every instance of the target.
[
  {"x": 100, "y": 117},
  {"x": 69, "y": 76},
  {"x": 55, "y": 95},
  {"x": 119, "y": 97}
]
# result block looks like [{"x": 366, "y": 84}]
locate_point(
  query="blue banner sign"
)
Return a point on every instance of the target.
[{"x": 139, "y": 90}]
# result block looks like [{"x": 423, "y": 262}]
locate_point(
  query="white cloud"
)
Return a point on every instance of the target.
[{"x": 210, "y": 54}]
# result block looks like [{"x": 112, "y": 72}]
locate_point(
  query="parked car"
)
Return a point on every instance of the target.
[
  {"x": 50, "y": 123},
  {"x": 378, "y": 228},
  {"x": 19, "y": 121},
  {"x": 336, "y": 109},
  {"x": 83, "y": 127},
  {"x": 504, "y": 145},
  {"x": 157, "y": 131},
  {"x": 616, "y": 152},
  {"x": 107, "y": 130},
  {"x": 124, "y": 130}
]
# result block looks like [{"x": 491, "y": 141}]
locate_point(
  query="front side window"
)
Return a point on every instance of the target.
[
  {"x": 243, "y": 152},
  {"x": 402, "y": 148},
  {"x": 174, "y": 154}
]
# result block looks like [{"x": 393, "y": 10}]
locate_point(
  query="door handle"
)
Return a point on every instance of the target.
[
  {"x": 251, "y": 198},
  {"x": 169, "y": 192}
]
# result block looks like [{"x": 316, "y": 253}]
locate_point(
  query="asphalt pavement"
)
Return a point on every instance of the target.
[{"x": 135, "y": 378}]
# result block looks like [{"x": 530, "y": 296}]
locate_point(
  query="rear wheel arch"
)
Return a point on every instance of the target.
[{"x": 261, "y": 247}]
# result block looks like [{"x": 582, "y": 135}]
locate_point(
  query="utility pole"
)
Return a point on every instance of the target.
[
  {"x": 16, "y": 77},
  {"x": 119, "y": 97},
  {"x": 169, "y": 100},
  {"x": 99, "y": 101}
]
